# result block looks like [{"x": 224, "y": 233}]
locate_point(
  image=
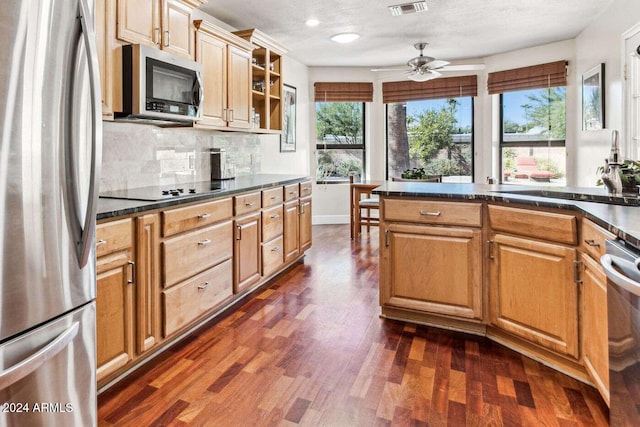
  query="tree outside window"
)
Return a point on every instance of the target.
[
  {"x": 339, "y": 140},
  {"x": 435, "y": 135}
]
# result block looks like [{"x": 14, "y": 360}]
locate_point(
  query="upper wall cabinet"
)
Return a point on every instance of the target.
[
  {"x": 226, "y": 61},
  {"x": 266, "y": 78},
  {"x": 166, "y": 24}
]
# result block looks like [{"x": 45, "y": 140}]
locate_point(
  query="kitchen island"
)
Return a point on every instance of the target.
[
  {"x": 507, "y": 263},
  {"x": 167, "y": 266}
]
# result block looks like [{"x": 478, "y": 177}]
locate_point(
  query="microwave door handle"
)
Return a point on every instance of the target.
[
  {"x": 200, "y": 94},
  {"x": 84, "y": 234}
]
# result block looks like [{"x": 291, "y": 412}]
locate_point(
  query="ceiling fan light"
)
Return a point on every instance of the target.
[
  {"x": 345, "y": 37},
  {"x": 312, "y": 22},
  {"x": 420, "y": 77}
]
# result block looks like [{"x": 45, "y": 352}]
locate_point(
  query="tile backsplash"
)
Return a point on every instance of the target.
[{"x": 136, "y": 155}]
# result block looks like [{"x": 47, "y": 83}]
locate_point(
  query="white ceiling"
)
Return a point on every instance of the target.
[{"x": 454, "y": 29}]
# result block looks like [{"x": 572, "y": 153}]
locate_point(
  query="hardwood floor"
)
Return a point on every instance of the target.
[{"x": 311, "y": 350}]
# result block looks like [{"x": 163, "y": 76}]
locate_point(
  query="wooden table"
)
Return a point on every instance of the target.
[{"x": 357, "y": 191}]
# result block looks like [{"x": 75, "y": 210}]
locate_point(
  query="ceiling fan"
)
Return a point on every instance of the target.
[{"x": 423, "y": 68}]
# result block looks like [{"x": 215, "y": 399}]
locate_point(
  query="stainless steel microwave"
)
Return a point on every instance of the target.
[{"x": 159, "y": 86}]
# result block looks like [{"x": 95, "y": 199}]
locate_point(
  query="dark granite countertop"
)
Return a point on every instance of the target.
[
  {"x": 111, "y": 208},
  {"x": 621, "y": 216}
]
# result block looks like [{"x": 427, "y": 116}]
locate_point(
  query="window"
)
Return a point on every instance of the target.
[
  {"x": 340, "y": 144},
  {"x": 532, "y": 123},
  {"x": 435, "y": 135},
  {"x": 533, "y": 129}
]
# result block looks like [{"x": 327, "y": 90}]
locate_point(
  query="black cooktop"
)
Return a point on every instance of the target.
[{"x": 163, "y": 192}]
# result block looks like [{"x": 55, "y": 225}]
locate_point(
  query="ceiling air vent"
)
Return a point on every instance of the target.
[{"x": 403, "y": 9}]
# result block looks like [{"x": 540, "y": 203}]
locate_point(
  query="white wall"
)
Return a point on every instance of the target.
[{"x": 601, "y": 42}]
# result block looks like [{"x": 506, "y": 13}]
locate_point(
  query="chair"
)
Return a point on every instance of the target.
[
  {"x": 527, "y": 167},
  {"x": 362, "y": 199}
]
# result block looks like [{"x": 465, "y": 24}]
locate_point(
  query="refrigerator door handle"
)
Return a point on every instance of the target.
[
  {"x": 84, "y": 234},
  {"x": 20, "y": 370}
]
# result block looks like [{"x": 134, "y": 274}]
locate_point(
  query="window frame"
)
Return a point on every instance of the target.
[
  {"x": 473, "y": 134},
  {"x": 362, "y": 146},
  {"x": 536, "y": 143}
]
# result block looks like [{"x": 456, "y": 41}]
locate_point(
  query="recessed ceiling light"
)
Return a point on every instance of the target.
[
  {"x": 345, "y": 37},
  {"x": 312, "y": 22}
]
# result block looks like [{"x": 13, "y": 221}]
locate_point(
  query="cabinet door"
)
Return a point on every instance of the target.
[
  {"x": 177, "y": 29},
  {"x": 291, "y": 226},
  {"x": 246, "y": 252},
  {"x": 433, "y": 269},
  {"x": 595, "y": 340},
  {"x": 114, "y": 313},
  {"x": 305, "y": 223},
  {"x": 105, "y": 21},
  {"x": 533, "y": 292},
  {"x": 139, "y": 22},
  {"x": 212, "y": 54},
  {"x": 239, "y": 93},
  {"x": 147, "y": 282}
]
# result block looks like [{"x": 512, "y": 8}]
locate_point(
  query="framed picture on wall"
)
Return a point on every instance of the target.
[
  {"x": 593, "y": 98},
  {"x": 288, "y": 138}
]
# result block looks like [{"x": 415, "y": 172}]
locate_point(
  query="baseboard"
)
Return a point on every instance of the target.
[{"x": 330, "y": 219}]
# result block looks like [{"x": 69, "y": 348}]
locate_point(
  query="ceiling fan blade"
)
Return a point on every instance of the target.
[
  {"x": 437, "y": 64},
  {"x": 391, "y": 69},
  {"x": 462, "y": 67},
  {"x": 417, "y": 76}
]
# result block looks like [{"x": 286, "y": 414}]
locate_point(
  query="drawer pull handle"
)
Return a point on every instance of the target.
[
  {"x": 275, "y": 197},
  {"x": 425, "y": 213},
  {"x": 204, "y": 242},
  {"x": 101, "y": 242},
  {"x": 249, "y": 204},
  {"x": 275, "y": 249},
  {"x": 293, "y": 192},
  {"x": 274, "y": 216},
  {"x": 204, "y": 215},
  {"x": 204, "y": 286},
  {"x": 592, "y": 243}
]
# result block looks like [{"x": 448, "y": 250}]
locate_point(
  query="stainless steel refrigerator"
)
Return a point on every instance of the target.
[{"x": 50, "y": 147}]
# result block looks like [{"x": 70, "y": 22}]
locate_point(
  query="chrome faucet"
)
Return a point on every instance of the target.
[{"x": 611, "y": 176}]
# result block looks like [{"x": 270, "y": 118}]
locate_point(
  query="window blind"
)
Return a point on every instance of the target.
[
  {"x": 449, "y": 87},
  {"x": 539, "y": 76},
  {"x": 343, "y": 92}
]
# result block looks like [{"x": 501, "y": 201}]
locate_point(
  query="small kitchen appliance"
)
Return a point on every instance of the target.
[{"x": 221, "y": 166}]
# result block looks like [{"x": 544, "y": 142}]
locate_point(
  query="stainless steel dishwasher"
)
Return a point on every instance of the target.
[{"x": 621, "y": 264}]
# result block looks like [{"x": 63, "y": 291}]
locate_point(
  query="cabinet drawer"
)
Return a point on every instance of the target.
[
  {"x": 305, "y": 188},
  {"x": 272, "y": 256},
  {"x": 191, "y": 299},
  {"x": 291, "y": 192},
  {"x": 272, "y": 197},
  {"x": 113, "y": 236},
  {"x": 593, "y": 239},
  {"x": 246, "y": 203},
  {"x": 542, "y": 225},
  {"x": 272, "y": 223},
  {"x": 191, "y": 217},
  {"x": 195, "y": 251},
  {"x": 433, "y": 212}
]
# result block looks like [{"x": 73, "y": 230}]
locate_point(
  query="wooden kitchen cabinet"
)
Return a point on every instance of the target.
[
  {"x": 105, "y": 32},
  {"x": 266, "y": 78},
  {"x": 165, "y": 24},
  {"x": 247, "y": 251},
  {"x": 115, "y": 313},
  {"x": 594, "y": 313},
  {"x": 291, "y": 232},
  {"x": 533, "y": 288},
  {"x": 305, "y": 225},
  {"x": 226, "y": 61},
  {"x": 429, "y": 267}
]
